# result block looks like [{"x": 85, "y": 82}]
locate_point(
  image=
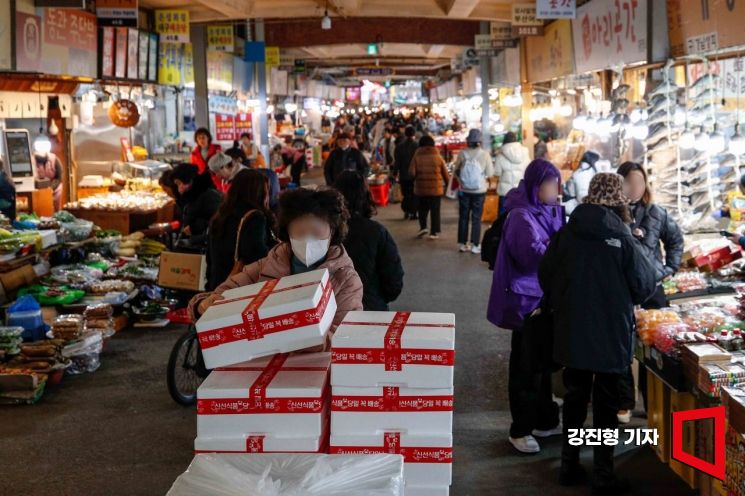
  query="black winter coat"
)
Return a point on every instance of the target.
[
  {"x": 593, "y": 273},
  {"x": 658, "y": 227},
  {"x": 402, "y": 159},
  {"x": 340, "y": 160},
  {"x": 198, "y": 206},
  {"x": 375, "y": 255}
]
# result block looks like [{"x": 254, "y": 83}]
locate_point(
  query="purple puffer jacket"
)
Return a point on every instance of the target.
[{"x": 529, "y": 226}]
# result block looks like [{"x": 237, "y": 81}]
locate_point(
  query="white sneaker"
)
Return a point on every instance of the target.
[
  {"x": 476, "y": 249},
  {"x": 422, "y": 233},
  {"x": 624, "y": 416},
  {"x": 526, "y": 444},
  {"x": 434, "y": 236},
  {"x": 551, "y": 432},
  {"x": 463, "y": 248}
]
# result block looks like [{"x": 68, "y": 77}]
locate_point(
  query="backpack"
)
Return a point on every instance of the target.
[
  {"x": 490, "y": 241},
  {"x": 471, "y": 174}
]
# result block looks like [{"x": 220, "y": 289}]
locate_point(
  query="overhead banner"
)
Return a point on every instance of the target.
[
  {"x": 219, "y": 71},
  {"x": 28, "y": 42},
  {"x": 70, "y": 43},
  {"x": 705, "y": 26},
  {"x": 188, "y": 64},
  {"x": 505, "y": 68},
  {"x": 271, "y": 57},
  {"x": 551, "y": 55},
  {"x": 524, "y": 20},
  {"x": 6, "y": 56},
  {"x": 169, "y": 71},
  {"x": 117, "y": 13},
  {"x": 224, "y": 127},
  {"x": 555, "y": 9},
  {"x": 172, "y": 25},
  {"x": 220, "y": 38},
  {"x": 608, "y": 33},
  {"x": 500, "y": 30}
]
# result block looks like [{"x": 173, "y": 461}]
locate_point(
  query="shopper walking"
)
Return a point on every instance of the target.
[
  {"x": 402, "y": 156},
  {"x": 509, "y": 165},
  {"x": 344, "y": 158},
  {"x": 474, "y": 169},
  {"x": 593, "y": 273},
  {"x": 241, "y": 230},
  {"x": 654, "y": 228},
  {"x": 370, "y": 246},
  {"x": 533, "y": 217},
  {"x": 578, "y": 185},
  {"x": 298, "y": 163},
  {"x": 199, "y": 200},
  {"x": 203, "y": 151},
  {"x": 430, "y": 176}
]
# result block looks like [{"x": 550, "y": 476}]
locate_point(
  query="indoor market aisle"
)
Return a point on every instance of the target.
[{"x": 117, "y": 432}]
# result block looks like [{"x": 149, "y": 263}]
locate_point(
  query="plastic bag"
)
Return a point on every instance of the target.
[
  {"x": 84, "y": 353},
  {"x": 60, "y": 295},
  {"x": 26, "y": 313},
  {"x": 291, "y": 475}
]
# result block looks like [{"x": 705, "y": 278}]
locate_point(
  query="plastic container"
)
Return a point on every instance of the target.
[
  {"x": 31, "y": 321},
  {"x": 737, "y": 341},
  {"x": 725, "y": 340}
]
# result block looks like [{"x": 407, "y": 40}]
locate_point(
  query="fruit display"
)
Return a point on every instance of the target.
[
  {"x": 649, "y": 321},
  {"x": 685, "y": 282}
]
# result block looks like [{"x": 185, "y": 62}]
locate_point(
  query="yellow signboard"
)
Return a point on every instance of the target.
[
  {"x": 220, "y": 38},
  {"x": 551, "y": 55},
  {"x": 272, "y": 56},
  {"x": 188, "y": 64},
  {"x": 169, "y": 70},
  {"x": 172, "y": 25}
]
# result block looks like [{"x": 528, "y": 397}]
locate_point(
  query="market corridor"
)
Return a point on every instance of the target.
[{"x": 117, "y": 432}]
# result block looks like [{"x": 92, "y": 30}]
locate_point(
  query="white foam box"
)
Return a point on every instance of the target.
[
  {"x": 282, "y": 396},
  {"x": 428, "y": 458},
  {"x": 277, "y": 316},
  {"x": 427, "y": 490},
  {"x": 286, "y": 443},
  {"x": 374, "y": 410},
  {"x": 415, "y": 350}
]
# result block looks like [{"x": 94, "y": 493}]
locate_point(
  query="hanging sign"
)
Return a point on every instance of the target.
[
  {"x": 106, "y": 64},
  {"x": 169, "y": 71},
  {"x": 524, "y": 21},
  {"x": 224, "y": 127},
  {"x": 219, "y": 71},
  {"x": 124, "y": 113},
  {"x": 120, "y": 58},
  {"x": 243, "y": 124},
  {"x": 300, "y": 67},
  {"x": 172, "y": 25},
  {"x": 117, "y": 13},
  {"x": 133, "y": 49},
  {"x": 374, "y": 71},
  {"x": 705, "y": 26},
  {"x": 500, "y": 31},
  {"x": 152, "y": 58},
  {"x": 28, "y": 42},
  {"x": 482, "y": 41},
  {"x": 220, "y": 38},
  {"x": 144, "y": 42},
  {"x": 6, "y": 32},
  {"x": 271, "y": 56},
  {"x": 550, "y": 56},
  {"x": 555, "y": 9},
  {"x": 610, "y": 32},
  {"x": 188, "y": 63}
]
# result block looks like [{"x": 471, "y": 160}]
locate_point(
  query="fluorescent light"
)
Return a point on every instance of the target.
[
  {"x": 687, "y": 140},
  {"x": 737, "y": 143},
  {"x": 42, "y": 144}
]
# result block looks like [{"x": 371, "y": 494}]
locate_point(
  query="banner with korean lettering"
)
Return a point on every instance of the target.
[
  {"x": 117, "y": 13},
  {"x": 224, "y": 127},
  {"x": 243, "y": 124},
  {"x": 70, "y": 45},
  {"x": 28, "y": 42},
  {"x": 551, "y": 55},
  {"x": 220, "y": 38},
  {"x": 169, "y": 56},
  {"x": 6, "y": 31},
  {"x": 172, "y": 25},
  {"x": 188, "y": 64},
  {"x": 705, "y": 26},
  {"x": 555, "y": 9},
  {"x": 608, "y": 33},
  {"x": 219, "y": 71}
]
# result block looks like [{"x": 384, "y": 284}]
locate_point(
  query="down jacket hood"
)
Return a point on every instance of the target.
[{"x": 515, "y": 152}]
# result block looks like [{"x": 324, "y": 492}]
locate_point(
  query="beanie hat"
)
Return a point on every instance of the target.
[
  {"x": 474, "y": 136},
  {"x": 607, "y": 189},
  {"x": 218, "y": 161}
]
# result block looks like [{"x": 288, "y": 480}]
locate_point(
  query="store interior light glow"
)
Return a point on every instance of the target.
[
  {"x": 687, "y": 140},
  {"x": 579, "y": 122},
  {"x": 702, "y": 142},
  {"x": 640, "y": 130},
  {"x": 270, "y": 109},
  {"x": 716, "y": 143},
  {"x": 291, "y": 107},
  {"x": 42, "y": 144},
  {"x": 566, "y": 110},
  {"x": 636, "y": 115},
  {"x": 737, "y": 143}
]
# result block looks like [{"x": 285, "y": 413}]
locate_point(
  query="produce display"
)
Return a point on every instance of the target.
[
  {"x": 111, "y": 286},
  {"x": 122, "y": 201},
  {"x": 10, "y": 340},
  {"x": 56, "y": 295},
  {"x": 684, "y": 282}
]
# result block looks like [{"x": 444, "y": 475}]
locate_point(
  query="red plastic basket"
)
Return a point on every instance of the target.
[{"x": 180, "y": 316}]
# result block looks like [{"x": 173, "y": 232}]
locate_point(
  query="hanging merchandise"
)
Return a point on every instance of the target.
[{"x": 124, "y": 113}]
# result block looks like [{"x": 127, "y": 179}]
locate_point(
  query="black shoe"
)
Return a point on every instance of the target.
[
  {"x": 572, "y": 475},
  {"x": 414, "y": 217},
  {"x": 616, "y": 487}
]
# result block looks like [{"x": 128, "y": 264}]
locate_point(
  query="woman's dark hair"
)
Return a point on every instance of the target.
[
  {"x": 355, "y": 191},
  {"x": 627, "y": 168},
  {"x": 249, "y": 190},
  {"x": 426, "y": 141},
  {"x": 245, "y": 135},
  {"x": 185, "y": 172},
  {"x": 166, "y": 179},
  {"x": 204, "y": 131},
  {"x": 623, "y": 212},
  {"x": 510, "y": 137},
  {"x": 328, "y": 205},
  {"x": 236, "y": 153}
]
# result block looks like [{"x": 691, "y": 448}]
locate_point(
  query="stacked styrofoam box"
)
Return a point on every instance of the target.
[
  {"x": 392, "y": 392},
  {"x": 259, "y": 398}
]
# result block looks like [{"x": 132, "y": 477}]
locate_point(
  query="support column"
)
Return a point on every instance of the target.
[
  {"x": 201, "y": 94},
  {"x": 263, "y": 137},
  {"x": 527, "y": 124},
  {"x": 484, "y": 65}
]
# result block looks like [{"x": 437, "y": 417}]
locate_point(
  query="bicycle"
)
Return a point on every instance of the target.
[{"x": 186, "y": 369}]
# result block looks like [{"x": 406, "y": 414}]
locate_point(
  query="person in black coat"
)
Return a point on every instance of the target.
[
  {"x": 370, "y": 246},
  {"x": 593, "y": 274},
  {"x": 198, "y": 199},
  {"x": 241, "y": 230},
  {"x": 7, "y": 194},
  {"x": 402, "y": 159},
  {"x": 654, "y": 228},
  {"x": 344, "y": 158}
]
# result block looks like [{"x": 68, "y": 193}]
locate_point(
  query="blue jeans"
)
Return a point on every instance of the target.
[{"x": 471, "y": 205}]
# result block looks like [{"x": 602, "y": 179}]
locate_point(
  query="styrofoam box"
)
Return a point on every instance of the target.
[
  {"x": 364, "y": 333},
  {"x": 349, "y": 421},
  {"x": 426, "y": 490},
  {"x": 296, "y": 390},
  {"x": 265, "y": 444},
  {"x": 231, "y": 344},
  {"x": 424, "y": 447}
]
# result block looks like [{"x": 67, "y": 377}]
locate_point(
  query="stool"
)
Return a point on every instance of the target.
[{"x": 380, "y": 193}]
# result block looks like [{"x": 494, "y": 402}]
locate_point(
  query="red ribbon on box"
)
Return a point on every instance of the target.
[
  {"x": 391, "y": 401},
  {"x": 255, "y": 444},
  {"x": 254, "y": 327},
  {"x": 392, "y": 446},
  {"x": 391, "y": 354},
  {"x": 257, "y": 401}
]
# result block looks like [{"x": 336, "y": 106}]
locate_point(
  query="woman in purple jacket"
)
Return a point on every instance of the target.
[{"x": 533, "y": 217}]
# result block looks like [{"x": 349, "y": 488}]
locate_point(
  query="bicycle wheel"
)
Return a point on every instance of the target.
[{"x": 185, "y": 369}]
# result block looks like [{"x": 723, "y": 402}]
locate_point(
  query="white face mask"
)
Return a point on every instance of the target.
[{"x": 309, "y": 250}]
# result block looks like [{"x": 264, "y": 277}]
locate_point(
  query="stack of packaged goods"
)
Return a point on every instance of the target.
[
  {"x": 258, "y": 398},
  {"x": 712, "y": 377},
  {"x": 68, "y": 327},
  {"x": 392, "y": 392},
  {"x": 99, "y": 318},
  {"x": 699, "y": 354}
]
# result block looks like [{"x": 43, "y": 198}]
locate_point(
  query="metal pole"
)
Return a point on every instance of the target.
[
  {"x": 261, "y": 75},
  {"x": 485, "y": 28},
  {"x": 201, "y": 93}
]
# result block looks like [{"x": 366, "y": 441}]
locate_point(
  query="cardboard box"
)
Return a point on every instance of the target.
[
  {"x": 276, "y": 316},
  {"x": 733, "y": 399},
  {"x": 428, "y": 459},
  {"x": 281, "y": 396},
  {"x": 372, "y": 410},
  {"x": 182, "y": 271},
  {"x": 14, "y": 279},
  {"x": 658, "y": 414},
  {"x": 680, "y": 402},
  {"x": 374, "y": 349}
]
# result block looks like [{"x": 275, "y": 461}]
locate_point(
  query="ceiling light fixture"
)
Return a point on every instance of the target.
[{"x": 326, "y": 21}]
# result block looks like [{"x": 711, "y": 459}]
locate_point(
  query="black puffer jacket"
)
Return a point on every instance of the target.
[
  {"x": 375, "y": 255},
  {"x": 340, "y": 160},
  {"x": 658, "y": 227},
  {"x": 402, "y": 158},
  {"x": 198, "y": 206},
  {"x": 594, "y": 272}
]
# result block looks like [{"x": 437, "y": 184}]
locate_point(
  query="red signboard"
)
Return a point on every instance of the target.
[
  {"x": 70, "y": 28},
  {"x": 225, "y": 127},
  {"x": 28, "y": 42},
  {"x": 242, "y": 124}
]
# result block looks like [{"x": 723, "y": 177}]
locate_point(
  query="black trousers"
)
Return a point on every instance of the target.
[
  {"x": 430, "y": 205},
  {"x": 603, "y": 389},
  {"x": 531, "y": 403},
  {"x": 409, "y": 203}
]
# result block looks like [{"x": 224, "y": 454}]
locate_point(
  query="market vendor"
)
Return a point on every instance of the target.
[
  {"x": 48, "y": 166},
  {"x": 7, "y": 195},
  {"x": 312, "y": 227},
  {"x": 203, "y": 152},
  {"x": 199, "y": 200},
  {"x": 254, "y": 157}
]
